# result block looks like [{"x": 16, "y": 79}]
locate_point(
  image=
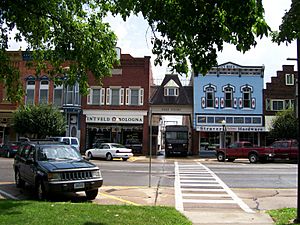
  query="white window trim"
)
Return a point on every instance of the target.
[
  {"x": 44, "y": 87},
  {"x": 277, "y": 100},
  {"x": 286, "y": 79},
  {"x": 167, "y": 91},
  {"x": 140, "y": 95},
  {"x": 30, "y": 87},
  {"x": 109, "y": 96},
  {"x": 101, "y": 97}
]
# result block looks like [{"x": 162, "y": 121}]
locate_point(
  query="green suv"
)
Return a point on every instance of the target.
[{"x": 54, "y": 167}]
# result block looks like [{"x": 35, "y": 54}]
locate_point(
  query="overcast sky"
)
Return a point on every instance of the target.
[{"x": 134, "y": 38}]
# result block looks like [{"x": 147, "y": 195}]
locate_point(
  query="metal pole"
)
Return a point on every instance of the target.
[
  {"x": 298, "y": 133},
  {"x": 150, "y": 144}
]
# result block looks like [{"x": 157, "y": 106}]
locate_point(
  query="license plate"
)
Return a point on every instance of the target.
[{"x": 78, "y": 185}]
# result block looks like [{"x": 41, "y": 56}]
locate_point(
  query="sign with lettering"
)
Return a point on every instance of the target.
[
  {"x": 229, "y": 129},
  {"x": 115, "y": 119}
]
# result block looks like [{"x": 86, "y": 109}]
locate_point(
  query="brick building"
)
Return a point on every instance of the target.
[
  {"x": 279, "y": 94},
  {"x": 116, "y": 110}
]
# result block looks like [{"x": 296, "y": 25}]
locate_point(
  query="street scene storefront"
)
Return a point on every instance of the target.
[
  {"x": 114, "y": 126},
  {"x": 217, "y": 131}
]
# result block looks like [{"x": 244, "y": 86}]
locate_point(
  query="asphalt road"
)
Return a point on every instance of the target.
[{"x": 238, "y": 174}]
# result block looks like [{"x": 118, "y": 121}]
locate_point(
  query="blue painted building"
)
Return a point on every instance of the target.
[{"x": 228, "y": 105}]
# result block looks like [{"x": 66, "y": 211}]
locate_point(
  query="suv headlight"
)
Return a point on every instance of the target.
[
  {"x": 96, "y": 174},
  {"x": 54, "y": 176}
]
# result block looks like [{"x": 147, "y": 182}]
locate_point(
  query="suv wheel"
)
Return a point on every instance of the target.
[
  {"x": 19, "y": 182},
  {"x": 91, "y": 194},
  {"x": 109, "y": 157},
  {"x": 125, "y": 159},
  {"x": 40, "y": 191}
]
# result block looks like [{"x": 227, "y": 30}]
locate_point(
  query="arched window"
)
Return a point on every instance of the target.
[
  {"x": 246, "y": 97},
  {"x": 44, "y": 88},
  {"x": 210, "y": 96},
  {"x": 30, "y": 90},
  {"x": 228, "y": 95}
]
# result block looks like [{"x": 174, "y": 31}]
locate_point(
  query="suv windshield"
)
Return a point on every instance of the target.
[{"x": 57, "y": 152}]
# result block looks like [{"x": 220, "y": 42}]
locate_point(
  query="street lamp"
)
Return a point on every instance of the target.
[{"x": 224, "y": 136}]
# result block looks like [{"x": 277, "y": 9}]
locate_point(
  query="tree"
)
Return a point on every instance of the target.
[
  {"x": 285, "y": 125},
  {"x": 184, "y": 32},
  {"x": 289, "y": 30},
  {"x": 57, "y": 31},
  {"x": 39, "y": 121},
  {"x": 192, "y": 31}
]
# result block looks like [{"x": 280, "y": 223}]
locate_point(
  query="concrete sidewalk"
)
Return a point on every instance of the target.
[{"x": 259, "y": 200}]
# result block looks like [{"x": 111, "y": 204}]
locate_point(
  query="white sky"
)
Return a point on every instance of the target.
[{"x": 134, "y": 38}]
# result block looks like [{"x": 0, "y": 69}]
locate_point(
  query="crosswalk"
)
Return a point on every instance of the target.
[{"x": 196, "y": 186}]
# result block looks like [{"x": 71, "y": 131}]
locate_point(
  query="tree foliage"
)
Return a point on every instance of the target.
[
  {"x": 193, "y": 31},
  {"x": 285, "y": 125},
  {"x": 184, "y": 32},
  {"x": 289, "y": 30},
  {"x": 57, "y": 31},
  {"x": 39, "y": 121}
]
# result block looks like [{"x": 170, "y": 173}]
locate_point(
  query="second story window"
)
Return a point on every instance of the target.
[
  {"x": 228, "y": 95},
  {"x": 96, "y": 96},
  {"x": 134, "y": 96},
  {"x": 44, "y": 88},
  {"x": 210, "y": 96},
  {"x": 246, "y": 97},
  {"x": 289, "y": 79},
  {"x": 58, "y": 95},
  {"x": 30, "y": 89},
  {"x": 171, "y": 91},
  {"x": 115, "y": 96},
  {"x": 72, "y": 96}
]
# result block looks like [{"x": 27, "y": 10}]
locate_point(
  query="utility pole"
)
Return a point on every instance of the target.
[{"x": 297, "y": 220}]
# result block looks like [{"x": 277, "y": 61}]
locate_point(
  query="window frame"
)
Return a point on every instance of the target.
[
  {"x": 289, "y": 79},
  {"x": 246, "y": 90},
  {"x": 167, "y": 91},
  {"x": 228, "y": 103},
  {"x": 209, "y": 90},
  {"x": 30, "y": 87},
  {"x": 44, "y": 87}
]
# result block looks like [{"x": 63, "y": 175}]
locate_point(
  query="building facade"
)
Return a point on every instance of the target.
[
  {"x": 228, "y": 105},
  {"x": 117, "y": 109},
  {"x": 279, "y": 94}
]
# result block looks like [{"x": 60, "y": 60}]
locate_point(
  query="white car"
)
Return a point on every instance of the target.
[{"x": 109, "y": 151}]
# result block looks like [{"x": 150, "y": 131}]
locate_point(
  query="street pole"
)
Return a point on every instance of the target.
[
  {"x": 150, "y": 144},
  {"x": 298, "y": 130}
]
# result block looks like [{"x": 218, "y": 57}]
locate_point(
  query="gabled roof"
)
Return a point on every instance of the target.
[{"x": 185, "y": 94}]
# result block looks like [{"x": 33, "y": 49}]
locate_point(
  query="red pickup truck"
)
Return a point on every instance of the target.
[{"x": 284, "y": 149}]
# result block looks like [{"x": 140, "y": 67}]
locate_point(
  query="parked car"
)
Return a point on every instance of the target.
[
  {"x": 135, "y": 145},
  {"x": 284, "y": 149},
  {"x": 100, "y": 141},
  {"x": 73, "y": 141},
  {"x": 243, "y": 149},
  {"x": 109, "y": 151},
  {"x": 54, "y": 167},
  {"x": 9, "y": 149}
]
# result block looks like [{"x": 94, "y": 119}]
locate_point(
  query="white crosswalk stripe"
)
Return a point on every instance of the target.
[{"x": 197, "y": 185}]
